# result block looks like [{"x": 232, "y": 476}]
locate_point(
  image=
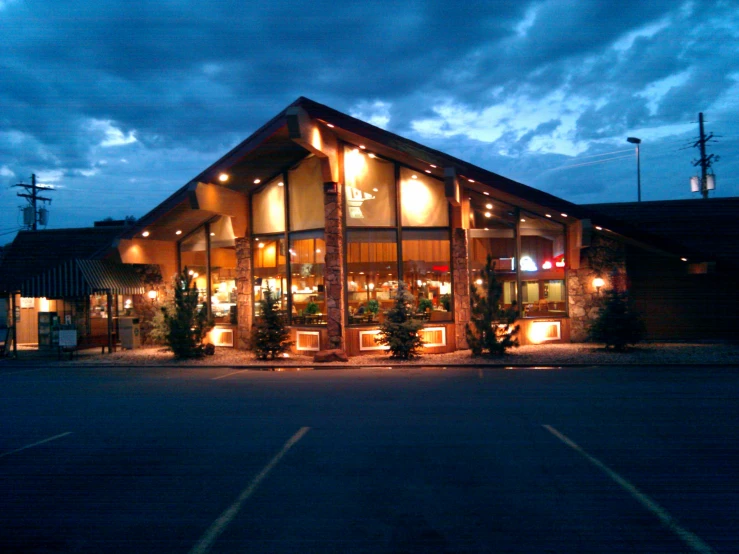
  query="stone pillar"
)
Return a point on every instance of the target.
[
  {"x": 244, "y": 292},
  {"x": 334, "y": 259},
  {"x": 461, "y": 276}
]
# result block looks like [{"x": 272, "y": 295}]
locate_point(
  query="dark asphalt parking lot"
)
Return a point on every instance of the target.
[{"x": 369, "y": 460}]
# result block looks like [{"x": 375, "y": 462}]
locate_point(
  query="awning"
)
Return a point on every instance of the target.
[{"x": 80, "y": 278}]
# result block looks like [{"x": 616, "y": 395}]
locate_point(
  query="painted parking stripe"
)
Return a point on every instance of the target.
[
  {"x": 219, "y": 525},
  {"x": 228, "y": 374},
  {"x": 35, "y": 444},
  {"x": 689, "y": 538}
]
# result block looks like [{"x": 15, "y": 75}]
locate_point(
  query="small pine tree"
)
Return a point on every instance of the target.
[
  {"x": 186, "y": 324},
  {"x": 618, "y": 324},
  {"x": 399, "y": 331},
  {"x": 491, "y": 332},
  {"x": 270, "y": 336}
]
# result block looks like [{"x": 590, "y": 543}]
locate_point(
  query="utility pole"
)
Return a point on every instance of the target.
[
  {"x": 32, "y": 196},
  {"x": 704, "y": 161}
]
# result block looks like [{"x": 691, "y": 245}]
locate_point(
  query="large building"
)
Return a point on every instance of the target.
[{"x": 332, "y": 213}]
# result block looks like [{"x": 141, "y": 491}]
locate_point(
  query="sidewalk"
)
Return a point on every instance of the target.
[{"x": 718, "y": 354}]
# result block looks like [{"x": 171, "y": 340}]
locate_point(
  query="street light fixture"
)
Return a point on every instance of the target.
[{"x": 637, "y": 141}]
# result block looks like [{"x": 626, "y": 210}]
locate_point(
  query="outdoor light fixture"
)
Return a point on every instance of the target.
[
  {"x": 152, "y": 294},
  {"x": 598, "y": 282},
  {"x": 478, "y": 282},
  {"x": 223, "y": 177}
]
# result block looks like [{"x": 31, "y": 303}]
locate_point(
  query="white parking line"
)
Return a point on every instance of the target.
[
  {"x": 228, "y": 374},
  {"x": 35, "y": 444},
  {"x": 691, "y": 539},
  {"x": 219, "y": 525}
]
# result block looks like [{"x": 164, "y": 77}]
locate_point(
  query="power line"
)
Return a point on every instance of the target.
[{"x": 31, "y": 194}]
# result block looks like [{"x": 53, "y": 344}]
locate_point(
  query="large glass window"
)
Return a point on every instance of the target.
[
  {"x": 307, "y": 251},
  {"x": 493, "y": 233},
  {"x": 193, "y": 257},
  {"x": 306, "y": 195},
  {"x": 372, "y": 273},
  {"x": 542, "y": 264},
  {"x": 223, "y": 271},
  {"x": 423, "y": 200},
  {"x": 427, "y": 272},
  {"x": 268, "y": 208},
  {"x": 269, "y": 270},
  {"x": 370, "y": 190}
]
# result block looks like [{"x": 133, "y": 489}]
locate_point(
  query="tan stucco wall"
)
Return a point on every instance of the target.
[{"x": 163, "y": 253}]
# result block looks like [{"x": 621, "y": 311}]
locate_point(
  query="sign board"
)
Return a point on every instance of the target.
[
  {"x": 27, "y": 302},
  {"x": 67, "y": 338}
]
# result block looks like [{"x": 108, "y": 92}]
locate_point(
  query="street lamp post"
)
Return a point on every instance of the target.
[{"x": 634, "y": 140}]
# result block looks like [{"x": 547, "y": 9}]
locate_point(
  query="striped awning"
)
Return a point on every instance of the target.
[{"x": 79, "y": 278}]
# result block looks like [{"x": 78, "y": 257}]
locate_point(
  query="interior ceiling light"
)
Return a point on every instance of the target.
[
  {"x": 489, "y": 206},
  {"x": 488, "y": 214},
  {"x": 280, "y": 184},
  {"x": 362, "y": 146},
  {"x": 523, "y": 220},
  {"x": 212, "y": 234},
  {"x": 223, "y": 177},
  {"x": 178, "y": 232},
  {"x": 371, "y": 155},
  {"x": 145, "y": 234},
  {"x": 261, "y": 245},
  {"x": 414, "y": 176}
]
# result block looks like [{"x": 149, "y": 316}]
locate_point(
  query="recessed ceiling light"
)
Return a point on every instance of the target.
[
  {"x": 223, "y": 177},
  {"x": 428, "y": 171},
  {"x": 684, "y": 259},
  {"x": 599, "y": 228},
  {"x": 318, "y": 250},
  {"x": 488, "y": 214},
  {"x": 563, "y": 215},
  {"x": 375, "y": 189},
  {"x": 414, "y": 176},
  {"x": 362, "y": 146},
  {"x": 212, "y": 234},
  {"x": 178, "y": 232},
  {"x": 489, "y": 206},
  {"x": 330, "y": 125},
  {"x": 471, "y": 180},
  {"x": 523, "y": 220},
  {"x": 548, "y": 215},
  {"x": 145, "y": 234},
  {"x": 261, "y": 245},
  {"x": 257, "y": 181},
  {"x": 432, "y": 165},
  {"x": 486, "y": 193},
  {"x": 371, "y": 155},
  {"x": 280, "y": 184}
]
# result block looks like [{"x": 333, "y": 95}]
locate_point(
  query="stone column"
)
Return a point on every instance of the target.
[
  {"x": 334, "y": 259},
  {"x": 244, "y": 292},
  {"x": 461, "y": 276}
]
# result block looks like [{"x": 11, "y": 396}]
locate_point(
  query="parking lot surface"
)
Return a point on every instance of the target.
[{"x": 411, "y": 459}]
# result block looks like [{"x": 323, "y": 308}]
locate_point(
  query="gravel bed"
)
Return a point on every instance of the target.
[{"x": 550, "y": 355}]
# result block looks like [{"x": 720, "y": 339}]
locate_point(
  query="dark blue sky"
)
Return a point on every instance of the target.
[{"x": 118, "y": 103}]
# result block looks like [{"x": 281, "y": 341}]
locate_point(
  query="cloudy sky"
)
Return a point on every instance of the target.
[{"x": 117, "y": 103}]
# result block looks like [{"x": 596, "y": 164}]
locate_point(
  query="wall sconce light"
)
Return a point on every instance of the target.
[
  {"x": 152, "y": 294},
  {"x": 598, "y": 282}
]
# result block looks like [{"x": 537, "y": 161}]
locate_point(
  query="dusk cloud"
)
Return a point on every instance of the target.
[{"x": 123, "y": 102}]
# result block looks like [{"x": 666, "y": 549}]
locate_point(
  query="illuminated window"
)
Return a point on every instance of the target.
[
  {"x": 543, "y": 283},
  {"x": 192, "y": 257},
  {"x": 423, "y": 200},
  {"x": 370, "y": 190},
  {"x": 223, "y": 271},
  {"x": 306, "y": 254},
  {"x": 306, "y": 196},
  {"x": 427, "y": 271},
  {"x": 268, "y": 208},
  {"x": 372, "y": 273},
  {"x": 270, "y": 270}
]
